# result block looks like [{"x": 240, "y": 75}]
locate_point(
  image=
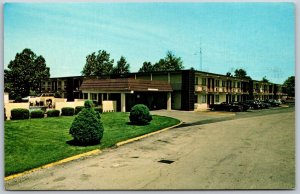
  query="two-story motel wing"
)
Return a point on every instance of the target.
[{"x": 179, "y": 90}]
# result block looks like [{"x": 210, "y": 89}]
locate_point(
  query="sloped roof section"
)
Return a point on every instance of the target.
[{"x": 125, "y": 84}]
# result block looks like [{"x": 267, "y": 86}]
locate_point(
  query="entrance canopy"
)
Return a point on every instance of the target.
[{"x": 126, "y": 85}]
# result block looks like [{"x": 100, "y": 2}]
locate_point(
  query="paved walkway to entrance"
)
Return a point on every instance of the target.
[{"x": 192, "y": 117}]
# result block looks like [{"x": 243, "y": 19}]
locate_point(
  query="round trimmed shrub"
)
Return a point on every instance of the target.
[
  {"x": 78, "y": 109},
  {"x": 53, "y": 113},
  {"x": 37, "y": 114},
  {"x": 89, "y": 104},
  {"x": 67, "y": 111},
  {"x": 19, "y": 114},
  {"x": 87, "y": 128},
  {"x": 139, "y": 114}
]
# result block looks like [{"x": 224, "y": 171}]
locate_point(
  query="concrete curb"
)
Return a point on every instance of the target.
[
  {"x": 146, "y": 135},
  {"x": 93, "y": 152}
]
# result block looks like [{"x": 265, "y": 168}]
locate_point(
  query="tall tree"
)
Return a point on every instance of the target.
[
  {"x": 147, "y": 67},
  {"x": 97, "y": 65},
  {"x": 169, "y": 63},
  {"x": 241, "y": 73},
  {"x": 122, "y": 66},
  {"x": 160, "y": 66},
  {"x": 289, "y": 85},
  {"x": 25, "y": 73}
]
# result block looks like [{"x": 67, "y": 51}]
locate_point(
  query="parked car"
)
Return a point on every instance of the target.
[
  {"x": 226, "y": 107},
  {"x": 263, "y": 104},
  {"x": 244, "y": 105},
  {"x": 272, "y": 102},
  {"x": 253, "y": 104}
]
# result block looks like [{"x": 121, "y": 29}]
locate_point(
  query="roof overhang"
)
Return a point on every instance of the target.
[{"x": 125, "y": 85}]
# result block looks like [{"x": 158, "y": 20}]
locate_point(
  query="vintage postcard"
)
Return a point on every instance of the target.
[{"x": 149, "y": 96}]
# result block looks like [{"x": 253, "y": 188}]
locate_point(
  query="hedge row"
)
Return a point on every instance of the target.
[
  {"x": 53, "y": 113},
  {"x": 19, "y": 114},
  {"x": 22, "y": 113}
]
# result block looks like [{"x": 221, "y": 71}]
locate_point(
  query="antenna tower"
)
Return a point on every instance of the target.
[{"x": 200, "y": 54}]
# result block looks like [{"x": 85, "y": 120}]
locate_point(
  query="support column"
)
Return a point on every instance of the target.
[
  {"x": 89, "y": 96},
  {"x": 169, "y": 104},
  {"x": 123, "y": 102}
]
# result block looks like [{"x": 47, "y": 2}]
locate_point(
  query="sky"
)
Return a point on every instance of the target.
[{"x": 257, "y": 37}]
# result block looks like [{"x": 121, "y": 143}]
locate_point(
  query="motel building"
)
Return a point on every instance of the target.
[{"x": 172, "y": 90}]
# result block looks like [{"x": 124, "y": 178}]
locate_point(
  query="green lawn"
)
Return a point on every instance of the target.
[{"x": 35, "y": 142}]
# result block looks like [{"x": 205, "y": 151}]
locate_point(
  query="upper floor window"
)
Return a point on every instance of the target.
[
  {"x": 217, "y": 83},
  {"x": 204, "y": 81},
  {"x": 223, "y": 83},
  {"x": 196, "y": 80}
]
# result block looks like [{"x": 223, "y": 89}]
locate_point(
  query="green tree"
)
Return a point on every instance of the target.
[
  {"x": 25, "y": 73},
  {"x": 228, "y": 74},
  {"x": 265, "y": 80},
  {"x": 289, "y": 85},
  {"x": 97, "y": 65},
  {"x": 241, "y": 73},
  {"x": 160, "y": 66},
  {"x": 122, "y": 66},
  {"x": 169, "y": 63},
  {"x": 147, "y": 67}
]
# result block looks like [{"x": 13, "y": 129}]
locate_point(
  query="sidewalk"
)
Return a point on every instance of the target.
[{"x": 193, "y": 116}]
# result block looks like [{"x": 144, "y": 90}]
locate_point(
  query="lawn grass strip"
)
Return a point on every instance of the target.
[
  {"x": 93, "y": 152},
  {"x": 146, "y": 135}
]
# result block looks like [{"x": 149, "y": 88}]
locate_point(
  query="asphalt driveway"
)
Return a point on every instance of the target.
[{"x": 245, "y": 153}]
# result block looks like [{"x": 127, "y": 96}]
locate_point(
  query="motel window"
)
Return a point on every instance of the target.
[
  {"x": 203, "y": 98},
  {"x": 93, "y": 96},
  {"x": 196, "y": 80},
  {"x": 203, "y": 81},
  {"x": 223, "y": 83},
  {"x": 239, "y": 84},
  {"x": 59, "y": 83},
  {"x": 85, "y": 96},
  {"x": 217, "y": 83},
  {"x": 217, "y": 98},
  {"x": 49, "y": 83}
]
